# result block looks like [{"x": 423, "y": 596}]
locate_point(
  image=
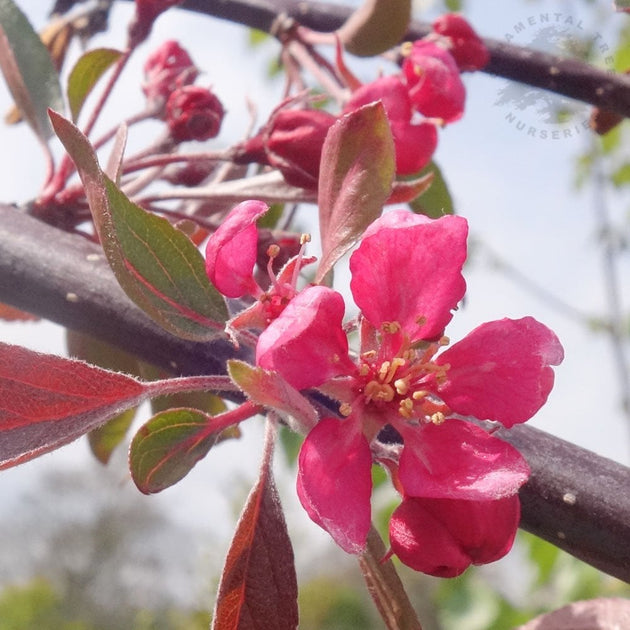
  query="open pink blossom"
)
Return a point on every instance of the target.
[
  {"x": 407, "y": 279},
  {"x": 415, "y": 140}
]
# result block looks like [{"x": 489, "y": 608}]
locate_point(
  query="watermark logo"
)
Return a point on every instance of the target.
[{"x": 538, "y": 113}]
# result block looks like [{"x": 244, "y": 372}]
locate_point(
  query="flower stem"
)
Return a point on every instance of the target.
[{"x": 385, "y": 586}]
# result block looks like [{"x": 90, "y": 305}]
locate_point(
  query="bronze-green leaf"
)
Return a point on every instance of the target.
[
  {"x": 167, "y": 447},
  {"x": 86, "y": 72},
  {"x": 269, "y": 389},
  {"x": 356, "y": 175},
  {"x": 28, "y": 69},
  {"x": 156, "y": 264}
]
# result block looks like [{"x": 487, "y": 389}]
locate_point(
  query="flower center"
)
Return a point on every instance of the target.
[{"x": 407, "y": 381}]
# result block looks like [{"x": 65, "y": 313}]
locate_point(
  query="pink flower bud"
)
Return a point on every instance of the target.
[
  {"x": 291, "y": 141},
  {"x": 146, "y": 13},
  {"x": 433, "y": 80},
  {"x": 294, "y": 144},
  {"x": 169, "y": 67},
  {"x": 467, "y": 48},
  {"x": 193, "y": 113}
]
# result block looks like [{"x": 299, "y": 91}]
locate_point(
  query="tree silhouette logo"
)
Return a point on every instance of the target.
[{"x": 538, "y": 113}]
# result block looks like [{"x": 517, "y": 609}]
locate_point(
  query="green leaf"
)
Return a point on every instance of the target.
[
  {"x": 356, "y": 176},
  {"x": 621, "y": 176},
  {"x": 86, "y": 72},
  {"x": 28, "y": 70},
  {"x": 269, "y": 389},
  {"x": 167, "y": 447},
  {"x": 436, "y": 201},
  {"x": 104, "y": 439},
  {"x": 156, "y": 264}
]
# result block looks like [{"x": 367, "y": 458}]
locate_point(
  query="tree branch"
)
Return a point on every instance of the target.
[
  {"x": 575, "y": 499},
  {"x": 568, "y": 77}
]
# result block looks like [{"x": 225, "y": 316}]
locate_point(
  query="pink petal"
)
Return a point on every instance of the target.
[
  {"x": 231, "y": 250},
  {"x": 408, "y": 268},
  {"x": 442, "y": 537},
  {"x": 459, "y": 460},
  {"x": 415, "y": 144},
  {"x": 500, "y": 371},
  {"x": 334, "y": 482},
  {"x": 391, "y": 91},
  {"x": 306, "y": 344},
  {"x": 435, "y": 87}
]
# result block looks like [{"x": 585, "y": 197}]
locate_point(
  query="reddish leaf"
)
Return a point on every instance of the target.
[
  {"x": 167, "y": 447},
  {"x": 12, "y": 314},
  {"x": 604, "y": 613},
  {"x": 258, "y": 589},
  {"x": 356, "y": 175},
  {"x": 48, "y": 401}
]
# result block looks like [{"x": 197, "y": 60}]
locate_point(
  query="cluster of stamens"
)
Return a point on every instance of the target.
[{"x": 403, "y": 380}]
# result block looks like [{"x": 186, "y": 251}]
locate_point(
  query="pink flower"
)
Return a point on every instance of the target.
[
  {"x": 399, "y": 394},
  {"x": 231, "y": 255},
  {"x": 467, "y": 48},
  {"x": 169, "y": 67},
  {"x": 433, "y": 80},
  {"x": 193, "y": 113},
  {"x": 415, "y": 141}
]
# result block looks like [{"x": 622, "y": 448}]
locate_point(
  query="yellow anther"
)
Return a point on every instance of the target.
[
  {"x": 390, "y": 327},
  {"x": 405, "y": 48},
  {"x": 444, "y": 341},
  {"x": 383, "y": 370},
  {"x": 379, "y": 392},
  {"x": 273, "y": 250},
  {"x": 401, "y": 385},
  {"x": 370, "y": 354},
  {"x": 364, "y": 369},
  {"x": 438, "y": 418},
  {"x": 419, "y": 394},
  {"x": 345, "y": 409},
  {"x": 305, "y": 238},
  {"x": 406, "y": 408}
]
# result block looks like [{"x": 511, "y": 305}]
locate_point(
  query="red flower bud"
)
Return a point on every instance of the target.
[
  {"x": 469, "y": 52},
  {"x": 294, "y": 142},
  {"x": 169, "y": 67},
  {"x": 193, "y": 113}
]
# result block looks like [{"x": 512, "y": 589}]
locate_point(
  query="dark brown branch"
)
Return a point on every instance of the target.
[
  {"x": 575, "y": 499},
  {"x": 65, "y": 278},
  {"x": 569, "y": 77}
]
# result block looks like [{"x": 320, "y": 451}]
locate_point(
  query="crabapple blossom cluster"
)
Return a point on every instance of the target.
[
  {"x": 426, "y": 94},
  {"x": 403, "y": 398}
]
